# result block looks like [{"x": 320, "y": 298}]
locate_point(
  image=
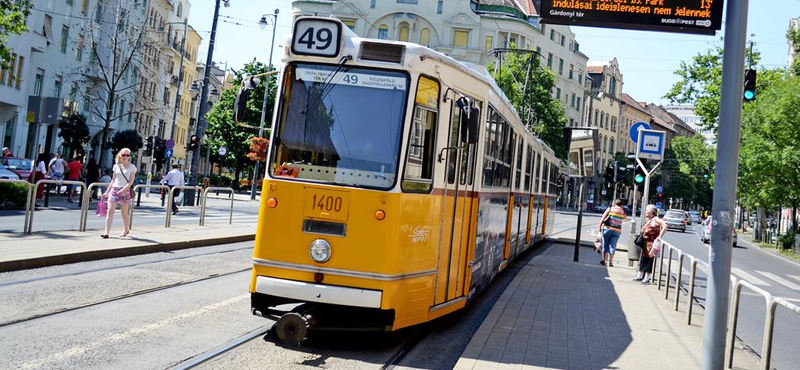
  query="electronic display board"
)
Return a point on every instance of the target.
[{"x": 684, "y": 16}]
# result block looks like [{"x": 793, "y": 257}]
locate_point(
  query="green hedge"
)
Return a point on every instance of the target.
[{"x": 13, "y": 196}]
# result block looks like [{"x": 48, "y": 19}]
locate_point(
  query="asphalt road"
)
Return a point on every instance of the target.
[{"x": 66, "y": 216}]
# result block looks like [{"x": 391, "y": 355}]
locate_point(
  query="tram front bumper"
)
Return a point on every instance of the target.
[{"x": 318, "y": 293}]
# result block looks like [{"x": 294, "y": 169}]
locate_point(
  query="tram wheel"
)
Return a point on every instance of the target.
[{"x": 292, "y": 328}]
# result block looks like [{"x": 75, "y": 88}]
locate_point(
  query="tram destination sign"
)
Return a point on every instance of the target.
[{"x": 683, "y": 16}]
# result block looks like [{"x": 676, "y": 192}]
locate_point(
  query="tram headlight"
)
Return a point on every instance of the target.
[{"x": 320, "y": 251}]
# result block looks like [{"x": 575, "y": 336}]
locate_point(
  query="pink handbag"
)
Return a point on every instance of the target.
[{"x": 102, "y": 209}]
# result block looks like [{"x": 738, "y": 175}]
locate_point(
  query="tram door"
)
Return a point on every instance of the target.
[{"x": 457, "y": 205}]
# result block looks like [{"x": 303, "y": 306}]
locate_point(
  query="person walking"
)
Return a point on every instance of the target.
[
  {"x": 39, "y": 173},
  {"x": 56, "y": 169},
  {"x": 74, "y": 171},
  {"x": 611, "y": 229},
  {"x": 654, "y": 229},
  {"x": 174, "y": 178},
  {"x": 7, "y": 152},
  {"x": 92, "y": 174},
  {"x": 120, "y": 191}
]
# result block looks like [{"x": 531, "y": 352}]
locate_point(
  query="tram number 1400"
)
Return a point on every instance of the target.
[{"x": 327, "y": 203}]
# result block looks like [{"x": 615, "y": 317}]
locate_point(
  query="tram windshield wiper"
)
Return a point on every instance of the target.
[{"x": 327, "y": 85}]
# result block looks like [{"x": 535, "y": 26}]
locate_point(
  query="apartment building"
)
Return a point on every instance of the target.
[
  {"x": 468, "y": 30},
  {"x": 603, "y": 109}
]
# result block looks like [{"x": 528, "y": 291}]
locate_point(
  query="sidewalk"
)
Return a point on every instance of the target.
[
  {"x": 560, "y": 314},
  {"x": 47, "y": 248}
]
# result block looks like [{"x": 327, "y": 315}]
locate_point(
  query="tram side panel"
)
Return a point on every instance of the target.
[{"x": 490, "y": 239}]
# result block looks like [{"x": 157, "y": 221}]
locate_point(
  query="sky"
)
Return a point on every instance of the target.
[{"x": 647, "y": 59}]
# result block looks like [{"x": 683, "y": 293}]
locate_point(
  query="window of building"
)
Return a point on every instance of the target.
[
  {"x": 539, "y": 50},
  {"x": 572, "y": 101},
  {"x": 578, "y": 104},
  {"x": 64, "y": 39},
  {"x": 558, "y": 93},
  {"x": 612, "y": 86},
  {"x": 608, "y": 120},
  {"x": 57, "y": 87},
  {"x": 73, "y": 91},
  {"x": 383, "y": 30},
  {"x": 403, "y": 35},
  {"x": 98, "y": 16},
  {"x": 372, "y": 4},
  {"x": 489, "y": 43},
  {"x": 85, "y": 6},
  {"x": 407, "y": 1},
  {"x": 571, "y": 70},
  {"x": 418, "y": 174},
  {"x": 562, "y": 40},
  {"x": 87, "y": 100},
  {"x": 560, "y": 66},
  {"x": 350, "y": 23},
  {"x": 614, "y": 124},
  {"x": 611, "y": 146},
  {"x": 38, "y": 81},
  {"x": 130, "y": 112},
  {"x": 425, "y": 36},
  {"x": 553, "y": 35},
  {"x": 439, "y": 7},
  {"x": 550, "y": 60},
  {"x": 69, "y": 2},
  {"x": 79, "y": 48},
  {"x": 580, "y": 77},
  {"x": 460, "y": 38}
]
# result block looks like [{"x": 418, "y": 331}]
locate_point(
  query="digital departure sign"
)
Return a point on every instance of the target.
[{"x": 684, "y": 16}]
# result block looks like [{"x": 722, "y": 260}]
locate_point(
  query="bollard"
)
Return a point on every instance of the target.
[
  {"x": 678, "y": 280},
  {"x": 47, "y": 196},
  {"x": 163, "y": 197},
  {"x": 139, "y": 197},
  {"x": 668, "y": 276}
]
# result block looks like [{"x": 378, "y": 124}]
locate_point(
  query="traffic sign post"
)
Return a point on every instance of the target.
[
  {"x": 634, "y": 133},
  {"x": 168, "y": 153},
  {"x": 169, "y": 144},
  {"x": 650, "y": 145}
]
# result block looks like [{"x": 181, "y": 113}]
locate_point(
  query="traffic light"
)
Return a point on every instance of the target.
[
  {"x": 610, "y": 174},
  {"x": 619, "y": 176},
  {"x": 750, "y": 85},
  {"x": 639, "y": 175},
  {"x": 148, "y": 147},
  {"x": 193, "y": 142}
]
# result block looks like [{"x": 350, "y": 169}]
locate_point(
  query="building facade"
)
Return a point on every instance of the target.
[
  {"x": 686, "y": 114},
  {"x": 468, "y": 31}
]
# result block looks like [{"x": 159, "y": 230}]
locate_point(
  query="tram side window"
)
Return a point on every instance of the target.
[
  {"x": 452, "y": 142},
  {"x": 528, "y": 168},
  {"x": 499, "y": 146},
  {"x": 536, "y": 173},
  {"x": 468, "y": 161},
  {"x": 418, "y": 175},
  {"x": 545, "y": 168},
  {"x": 489, "y": 148},
  {"x": 518, "y": 173}
]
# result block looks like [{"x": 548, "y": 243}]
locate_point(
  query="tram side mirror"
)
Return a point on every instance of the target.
[
  {"x": 242, "y": 96},
  {"x": 469, "y": 122},
  {"x": 581, "y": 143}
]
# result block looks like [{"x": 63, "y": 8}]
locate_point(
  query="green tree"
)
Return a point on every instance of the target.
[
  {"x": 13, "y": 14},
  {"x": 769, "y": 162},
  {"x": 688, "y": 165},
  {"x": 74, "y": 132},
  {"x": 126, "y": 139},
  {"x": 529, "y": 88},
  {"x": 223, "y": 131}
]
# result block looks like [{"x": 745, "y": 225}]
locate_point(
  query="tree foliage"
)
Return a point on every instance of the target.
[
  {"x": 700, "y": 83},
  {"x": 529, "y": 88},
  {"x": 223, "y": 131},
  {"x": 75, "y": 133},
  {"x": 12, "y": 22},
  {"x": 769, "y": 160},
  {"x": 126, "y": 139},
  {"x": 689, "y": 165}
]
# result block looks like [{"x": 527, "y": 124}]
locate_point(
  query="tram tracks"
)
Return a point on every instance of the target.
[{"x": 121, "y": 297}]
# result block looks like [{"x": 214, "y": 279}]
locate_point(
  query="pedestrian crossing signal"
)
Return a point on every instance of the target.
[
  {"x": 639, "y": 176},
  {"x": 750, "y": 85}
]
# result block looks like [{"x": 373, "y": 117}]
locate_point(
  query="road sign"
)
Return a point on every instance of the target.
[
  {"x": 659, "y": 189},
  {"x": 168, "y": 153},
  {"x": 651, "y": 144},
  {"x": 660, "y": 205},
  {"x": 635, "y": 130},
  {"x": 169, "y": 144},
  {"x": 222, "y": 150},
  {"x": 685, "y": 16}
]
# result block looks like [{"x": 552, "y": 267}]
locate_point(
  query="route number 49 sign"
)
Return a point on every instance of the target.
[{"x": 317, "y": 37}]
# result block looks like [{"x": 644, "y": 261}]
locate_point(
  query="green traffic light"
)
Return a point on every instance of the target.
[
  {"x": 749, "y": 95},
  {"x": 639, "y": 179}
]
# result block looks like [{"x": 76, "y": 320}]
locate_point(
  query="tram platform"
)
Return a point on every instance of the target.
[
  {"x": 47, "y": 248},
  {"x": 560, "y": 314}
]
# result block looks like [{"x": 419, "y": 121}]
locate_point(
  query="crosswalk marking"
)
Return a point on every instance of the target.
[
  {"x": 795, "y": 277},
  {"x": 752, "y": 279},
  {"x": 780, "y": 280}
]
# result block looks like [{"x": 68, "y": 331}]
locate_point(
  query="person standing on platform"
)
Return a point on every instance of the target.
[
  {"x": 92, "y": 174},
  {"x": 74, "y": 172},
  {"x": 654, "y": 229},
  {"x": 611, "y": 229},
  {"x": 120, "y": 191},
  {"x": 56, "y": 169},
  {"x": 174, "y": 178}
]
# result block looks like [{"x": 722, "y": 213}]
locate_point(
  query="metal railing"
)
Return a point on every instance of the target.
[
  {"x": 32, "y": 199},
  {"x": 86, "y": 200},
  {"x": 205, "y": 197},
  {"x": 133, "y": 203},
  {"x": 168, "y": 222},
  {"x": 772, "y": 302},
  {"x": 30, "y": 191}
]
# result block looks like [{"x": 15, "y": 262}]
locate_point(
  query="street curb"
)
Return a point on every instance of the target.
[{"x": 63, "y": 259}]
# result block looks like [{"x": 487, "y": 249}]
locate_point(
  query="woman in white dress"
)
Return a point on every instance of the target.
[{"x": 119, "y": 191}]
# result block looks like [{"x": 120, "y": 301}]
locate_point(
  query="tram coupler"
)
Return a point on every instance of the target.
[{"x": 292, "y": 328}]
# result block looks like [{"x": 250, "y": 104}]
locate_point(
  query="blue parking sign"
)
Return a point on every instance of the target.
[{"x": 168, "y": 153}]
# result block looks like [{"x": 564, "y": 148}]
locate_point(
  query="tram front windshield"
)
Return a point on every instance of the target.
[{"x": 340, "y": 127}]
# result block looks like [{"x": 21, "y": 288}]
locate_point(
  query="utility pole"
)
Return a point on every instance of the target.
[
  {"x": 727, "y": 172},
  {"x": 266, "y": 97},
  {"x": 200, "y": 130}
]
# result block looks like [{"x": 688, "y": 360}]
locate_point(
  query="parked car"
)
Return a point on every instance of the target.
[
  {"x": 705, "y": 235},
  {"x": 7, "y": 174},
  {"x": 20, "y": 166},
  {"x": 695, "y": 216},
  {"x": 600, "y": 208},
  {"x": 675, "y": 219}
]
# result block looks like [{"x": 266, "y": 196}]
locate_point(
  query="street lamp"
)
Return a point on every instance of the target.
[{"x": 263, "y": 24}]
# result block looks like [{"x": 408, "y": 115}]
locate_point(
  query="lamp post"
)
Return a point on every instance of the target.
[
  {"x": 263, "y": 24},
  {"x": 200, "y": 129},
  {"x": 178, "y": 89}
]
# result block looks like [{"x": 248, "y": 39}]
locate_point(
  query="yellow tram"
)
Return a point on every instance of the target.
[{"x": 399, "y": 183}]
